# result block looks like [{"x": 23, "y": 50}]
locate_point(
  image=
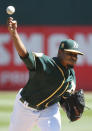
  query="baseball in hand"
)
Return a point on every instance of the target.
[{"x": 10, "y": 10}]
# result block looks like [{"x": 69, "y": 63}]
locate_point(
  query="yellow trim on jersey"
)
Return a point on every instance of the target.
[
  {"x": 48, "y": 103},
  {"x": 65, "y": 89},
  {"x": 59, "y": 95},
  {"x": 56, "y": 90}
]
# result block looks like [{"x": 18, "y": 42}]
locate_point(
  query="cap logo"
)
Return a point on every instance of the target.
[
  {"x": 75, "y": 45},
  {"x": 62, "y": 45}
]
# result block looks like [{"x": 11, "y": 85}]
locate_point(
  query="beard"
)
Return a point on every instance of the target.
[{"x": 70, "y": 66}]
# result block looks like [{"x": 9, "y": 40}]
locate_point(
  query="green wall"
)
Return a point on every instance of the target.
[{"x": 49, "y": 12}]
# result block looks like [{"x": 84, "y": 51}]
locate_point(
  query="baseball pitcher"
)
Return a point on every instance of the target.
[{"x": 51, "y": 81}]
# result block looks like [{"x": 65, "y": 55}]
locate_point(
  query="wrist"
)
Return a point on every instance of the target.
[{"x": 14, "y": 33}]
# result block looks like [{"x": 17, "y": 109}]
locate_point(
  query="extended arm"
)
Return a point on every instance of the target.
[{"x": 12, "y": 28}]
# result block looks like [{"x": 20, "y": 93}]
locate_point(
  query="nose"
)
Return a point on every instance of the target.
[{"x": 74, "y": 57}]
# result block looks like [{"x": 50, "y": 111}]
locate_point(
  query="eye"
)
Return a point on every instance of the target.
[
  {"x": 71, "y": 54},
  {"x": 74, "y": 55}
]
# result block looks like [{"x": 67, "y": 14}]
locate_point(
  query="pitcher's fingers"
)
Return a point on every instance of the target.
[
  {"x": 10, "y": 19},
  {"x": 14, "y": 24}
]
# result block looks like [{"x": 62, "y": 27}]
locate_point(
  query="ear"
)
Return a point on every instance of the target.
[{"x": 60, "y": 53}]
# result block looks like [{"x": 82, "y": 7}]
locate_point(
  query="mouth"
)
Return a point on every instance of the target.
[
  {"x": 73, "y": 61},
  {"x": 71, "y": 64}
]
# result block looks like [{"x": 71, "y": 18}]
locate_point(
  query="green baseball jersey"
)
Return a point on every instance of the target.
[{"x": 48, "y": 80}]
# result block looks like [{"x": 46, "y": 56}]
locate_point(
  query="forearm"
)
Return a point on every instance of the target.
[
  {"x": 19, "y": 44},
  {"x": 12, "y": 27}
]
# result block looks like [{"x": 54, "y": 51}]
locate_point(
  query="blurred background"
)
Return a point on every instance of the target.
[{"x": 42, "y": 25}]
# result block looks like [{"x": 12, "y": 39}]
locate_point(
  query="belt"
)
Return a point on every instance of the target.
[
  {"x": 31, "y": 106},
  {"x": 26, "y": 103},
  {"x": 21, "y": 99}
]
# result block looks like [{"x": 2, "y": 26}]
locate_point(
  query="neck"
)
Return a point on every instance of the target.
[{"x": 62, "y": 62}]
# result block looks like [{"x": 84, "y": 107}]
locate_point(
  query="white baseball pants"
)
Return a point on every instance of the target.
[{"x": 24, "y": 118}]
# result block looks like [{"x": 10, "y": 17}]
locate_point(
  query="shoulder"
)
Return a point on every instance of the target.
[
  {"x": 41, "y": 56},
  {"x": 38, "y": 54}
]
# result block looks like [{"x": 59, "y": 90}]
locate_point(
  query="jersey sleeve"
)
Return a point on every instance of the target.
[
  {"x": 29, "y": 61},
  {"x": 35, "y": 61}
]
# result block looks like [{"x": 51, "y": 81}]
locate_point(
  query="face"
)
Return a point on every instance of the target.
[{"x": 67, "y": 59}]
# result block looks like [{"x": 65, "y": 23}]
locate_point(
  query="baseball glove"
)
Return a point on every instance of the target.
[{"x": 74, "y": 105}]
